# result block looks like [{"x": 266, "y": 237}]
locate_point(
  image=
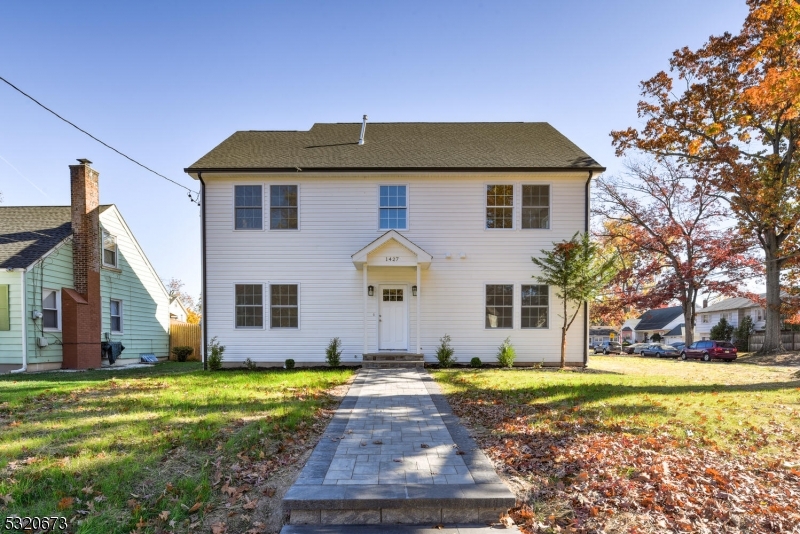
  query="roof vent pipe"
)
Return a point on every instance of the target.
[{"x": 363, "y": 129}]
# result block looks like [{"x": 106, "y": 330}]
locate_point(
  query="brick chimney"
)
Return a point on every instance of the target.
[{"x": 81, "y": 311}]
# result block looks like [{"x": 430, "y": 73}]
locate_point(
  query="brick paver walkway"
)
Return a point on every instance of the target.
[{"x": 395, "y": 453}]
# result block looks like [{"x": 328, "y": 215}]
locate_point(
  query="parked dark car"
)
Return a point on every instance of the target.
[
  {"x": 679, "y": 345},
  {"x": 636, "y": 348},
  {"x": 660, "y": 350},
  {"x": 710, "y": 350},
  {"x": 608, "y": 347}
]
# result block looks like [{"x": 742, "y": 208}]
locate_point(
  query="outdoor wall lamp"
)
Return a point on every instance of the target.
[
  {"x": 414, "y": 290},
  {"x": 370, "y": 290}
]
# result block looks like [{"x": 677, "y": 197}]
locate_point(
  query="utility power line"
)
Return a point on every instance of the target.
[{"x": 104, "y": 143}]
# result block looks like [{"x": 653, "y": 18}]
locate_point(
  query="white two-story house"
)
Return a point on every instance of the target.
[{"x": 389, "y": 236}]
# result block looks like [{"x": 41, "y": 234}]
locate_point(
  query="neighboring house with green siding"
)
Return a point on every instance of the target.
[{"x": 38, "y": 259}]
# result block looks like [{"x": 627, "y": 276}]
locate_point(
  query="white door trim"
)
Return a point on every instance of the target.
[{"x": 405, "y": 330}]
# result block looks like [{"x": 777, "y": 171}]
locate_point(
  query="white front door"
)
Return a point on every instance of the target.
[{"x": 393, "y": 318}]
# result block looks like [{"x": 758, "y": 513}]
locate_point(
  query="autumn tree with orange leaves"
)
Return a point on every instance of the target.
[
  {"x": 675, "y": 223},
  {"x": 737, "y": 117}
]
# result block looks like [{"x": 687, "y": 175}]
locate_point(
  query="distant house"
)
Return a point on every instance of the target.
[
  {"x": 600, "y": 334},
  {"x": 733, "y": 310},
  {"x": 628, "y": 330},
  {"x": 661, "y": 321},
  {"x": 72, "y": 277},
  {"x": 177, "y": 311},
  {"x": 677, "y": 334}
]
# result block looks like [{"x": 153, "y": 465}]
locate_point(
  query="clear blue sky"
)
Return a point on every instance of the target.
[{"x": 167, "y": 81}]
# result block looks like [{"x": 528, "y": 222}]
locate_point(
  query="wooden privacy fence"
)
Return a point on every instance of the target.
[
  {"x": 185, "y": 335},
  {"x": 790, "y": 340}
]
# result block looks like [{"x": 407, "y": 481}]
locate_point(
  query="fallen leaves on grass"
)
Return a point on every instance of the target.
[{"x": 582, "y": 476}]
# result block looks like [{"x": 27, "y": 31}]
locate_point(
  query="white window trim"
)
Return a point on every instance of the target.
[
  {"x": 58, "y": 310},
  {"x": 264, "y": 300},
  {"x": 268, "y": 210},
  {"x": 704, "y": 318},
  {"x": 121, "y": 317},
  {"x": 378, "y": 207},
  {"x": 103, "y": 234},
  {"x": 269, "y": 305},
  {"x": 514, "y": 216},
  {"x": 263, "y": 210},
  {"x": 549, "y": 208},
  {"x": 515, "y": 302},
  {"x": 549, "y": 308}
]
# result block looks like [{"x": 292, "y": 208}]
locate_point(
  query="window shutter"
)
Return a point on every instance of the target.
[{"x": 5, "y": 312}]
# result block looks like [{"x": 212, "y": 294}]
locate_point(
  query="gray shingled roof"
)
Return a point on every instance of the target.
[
  {"x": 28, "y": 232},
  {"x": 401, "y": 146},
  {"x": 677, "y": 331},
  {"x": 730, "y": 304},
  {"x": 658, "y": 319}
]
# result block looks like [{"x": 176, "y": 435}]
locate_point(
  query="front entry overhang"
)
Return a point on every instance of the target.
[
  {"x": 398, "y": 252},
  {"x": 392, "y": 249}
]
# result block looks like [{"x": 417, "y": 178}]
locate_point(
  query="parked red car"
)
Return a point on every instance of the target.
[{"x": 710, "y": 350}]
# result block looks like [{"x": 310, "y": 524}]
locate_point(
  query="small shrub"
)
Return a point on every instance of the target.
[
  {"x": 476, "y": 363},
  {"x": 250, "y": 364},
  {"x": 445, "y": 353},
  {"x": 215, "y": 358},
  {"x": 289, "y": 363},
  {"x": 182, "y": 353},
  {"x": 506, "y": 354},
  {"x": 333, "y": 354}
]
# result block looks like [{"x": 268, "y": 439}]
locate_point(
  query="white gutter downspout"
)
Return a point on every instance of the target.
[{"x": 24, "y": 317}]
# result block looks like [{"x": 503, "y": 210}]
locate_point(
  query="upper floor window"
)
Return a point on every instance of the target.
[
  {"x": 535, "y": 301},
  {"x": 393, "y": 207},
  {"x": 536, "y": 206},
  {"x": 248, "y": 207},
  {"x": 283, "y": 207},
  {"x": 704, "y": 318},
  {"x": 51, "y": 309},
  {"x": 109, "y": 250},
  {"x": 500, "y": 206}
]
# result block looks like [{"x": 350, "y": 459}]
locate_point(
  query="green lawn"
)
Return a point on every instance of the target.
[
  {"x": 113, "y": 449},
  {"x": 737, "y": 406}
]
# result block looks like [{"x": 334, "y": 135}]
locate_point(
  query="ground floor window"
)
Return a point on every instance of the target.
[
  {"x": 499, "y": 306},
  {"x": 116, "y": 315},
  {"x": 51, "y": 300},
  {"x": 535, "y": 300},
  {"x": 249, "y": 306},
  {"x": 283, "y": 306}
]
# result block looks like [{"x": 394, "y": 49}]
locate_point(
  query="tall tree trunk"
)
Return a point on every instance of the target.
[
  {"x": 564, "y": 336},
  {"x": 772, "y": 334}
]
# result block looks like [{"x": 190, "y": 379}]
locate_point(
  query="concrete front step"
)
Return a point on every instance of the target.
[
  {"x": 386, "y": 360},
  {"x": 410, "y": 504},
  {"x": 457, "y": 528}
]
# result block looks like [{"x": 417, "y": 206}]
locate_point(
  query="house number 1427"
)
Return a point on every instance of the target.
[{"x": 392, "y": 258}]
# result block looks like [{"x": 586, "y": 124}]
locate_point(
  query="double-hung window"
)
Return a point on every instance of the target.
[
  {"x": 393, "y": 207},
  {"x": 115, "y": 311},
  {"x": 535, "y": 300},
  {"x": 499, "y": 306},
  {"x": 109, "y": 250},
  {"x": 283, "y": 207},
  {"x": 500, "y": 206},
  {"x": 51, "y": 309},
  {"x": 249, "y": 306},
  {"x": 248, "y": 207},
  {"x": 535, "y": 206},
  {"x": 284, "y": 306}
]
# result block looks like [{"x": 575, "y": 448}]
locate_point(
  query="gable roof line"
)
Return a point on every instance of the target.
[
  {"x": 229, "y": 170},
  {"x": 361, "y": 257},
  {"x": 138, "y": 248}
]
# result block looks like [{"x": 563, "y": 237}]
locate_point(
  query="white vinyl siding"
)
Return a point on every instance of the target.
[{"x": 338, "y": 217}]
